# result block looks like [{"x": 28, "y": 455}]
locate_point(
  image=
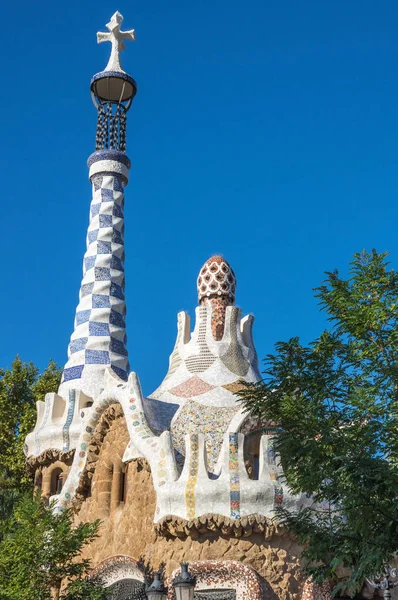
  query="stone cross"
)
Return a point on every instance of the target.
[{"x": 116, "y": 37}]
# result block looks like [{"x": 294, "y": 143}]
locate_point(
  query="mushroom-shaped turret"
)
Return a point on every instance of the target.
[
  {"x": 216, "y": 288},
  {"x": 216, "y": 278}
]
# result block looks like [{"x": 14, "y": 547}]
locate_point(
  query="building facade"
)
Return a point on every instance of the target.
[{"x": 184, "y": 474}]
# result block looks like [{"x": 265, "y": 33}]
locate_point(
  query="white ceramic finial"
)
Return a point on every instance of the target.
[{"x": 116, "y": 37}]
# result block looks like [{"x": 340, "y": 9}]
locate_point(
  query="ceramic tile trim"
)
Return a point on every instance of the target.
[
  {"x": 234, "y": 490},
  {"x": 192, "y": 493},
  {"x": 117, "y": 568},
  {"x": 69, "y": 417},
  {"x": 231, "y": 574},
  {"x": 59, "y": 424},
  {"x": 211, "y": 421},
  {"x": 193, "y": 477},
  {"x": 316, "y": 591}
]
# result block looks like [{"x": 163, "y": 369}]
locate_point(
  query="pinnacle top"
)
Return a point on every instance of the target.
[
  {"x": 216, "y": 279},
  {"x": 116, "y": 37}
]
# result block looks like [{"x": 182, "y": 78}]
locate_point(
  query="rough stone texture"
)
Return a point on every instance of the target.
[
  {"x": 128, "y": 527},
  {"x": 47, "y": 458},
  {"x": 49, "y": 474},
  {"x": 115, "y": 411},
  {"x": 172, "y": 526}
]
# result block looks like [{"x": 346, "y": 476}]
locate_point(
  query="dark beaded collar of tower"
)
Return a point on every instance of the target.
[{"x": 99, "y": 337}]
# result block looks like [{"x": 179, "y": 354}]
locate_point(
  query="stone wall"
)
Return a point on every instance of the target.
[
  {"x": 47, "y": 467},
  {"x": 128, "y": 529}
]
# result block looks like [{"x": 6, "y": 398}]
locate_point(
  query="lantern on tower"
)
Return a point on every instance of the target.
[{"x": 113, "y": 90}]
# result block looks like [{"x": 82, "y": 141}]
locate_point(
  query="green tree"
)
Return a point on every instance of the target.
[
  {"x": 40, "y": 555},
  {"x": 336, "y": 403},
  {"x": 20, "y": 388}
]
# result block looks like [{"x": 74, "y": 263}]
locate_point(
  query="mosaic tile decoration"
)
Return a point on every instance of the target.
[
  {"x": 192, "y": 477},
  {"x": 47, "y": 410},
  {"x": 209, "y": 420},
  {"x": 216, "y": 278},
  {"x": 233, "y": 359},
  {"x": 234, "y": 483},
  {"x": 69, "y": 418},
  {"x": 99, "y": 337},
  {"x": 218, "y": 307},
  {"x": 221, "y": 345},
  {"x": 228, "y": 574},
  {"x": 215, "y": 595},
  {"x": 116, "y": 568},
  {"x": 175, "y": 359},
  {"x": 159, "y": 414},
  {"x": 198, "y": 363},
  {"x": 155, "y": 449},
  {"x": 278, "y": 498},
  {"x": 255, "y": 362},
  {"x": 234, "y": 387},
  {"x": 193, "y": 492},
  {"x": 192, "y": 387},
  {"x": 316, "y": 591},
  {"x": 127, "y": 589}
]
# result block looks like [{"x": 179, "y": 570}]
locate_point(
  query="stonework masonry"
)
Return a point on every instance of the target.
[{"x": 128, "y": 529}]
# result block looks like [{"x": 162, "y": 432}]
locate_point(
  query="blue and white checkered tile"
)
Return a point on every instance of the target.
[{"x": 99, "y": 337}]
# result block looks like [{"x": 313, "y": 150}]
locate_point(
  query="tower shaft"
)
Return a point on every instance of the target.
[{"x": 99, "y": 337}]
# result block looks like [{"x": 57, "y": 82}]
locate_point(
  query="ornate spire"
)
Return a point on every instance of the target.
[
  {"x": 99, "y": 337},
  {"x": 216, "y": 278},
  {"x": 216, "y": 288},
  {"x": 116, "y": 37},
  {"x": 113, "y": 90}
]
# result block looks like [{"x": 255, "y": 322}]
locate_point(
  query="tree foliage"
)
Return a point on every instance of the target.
[
  {"x": 41, "y": 551},
  {"x": 336, "y": 402},
  {"x": 20, "y": 388}
]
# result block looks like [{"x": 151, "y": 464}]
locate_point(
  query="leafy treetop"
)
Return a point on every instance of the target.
[
  {"x": 336, "y": 402},
  {"x": 20, "y": 388},
  {"x": 40, "y": 555}
]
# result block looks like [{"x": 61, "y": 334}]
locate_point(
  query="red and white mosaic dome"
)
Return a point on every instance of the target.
[{"x": 216, "y": 278}]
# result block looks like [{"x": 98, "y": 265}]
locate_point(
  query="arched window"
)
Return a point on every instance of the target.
[
  {"x": 251, "y": 452},
  {"x": 123, "y": 483},
  {"x": 103, "y": 482},
  {"x": 57, "y": 481},
  {"x": 119, "y": 484}
]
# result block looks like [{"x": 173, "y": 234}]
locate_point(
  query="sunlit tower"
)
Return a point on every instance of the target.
[{"x": 99, "y": 337}]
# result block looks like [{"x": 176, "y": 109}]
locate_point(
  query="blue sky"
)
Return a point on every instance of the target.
[{"x": 264, "y": 131}]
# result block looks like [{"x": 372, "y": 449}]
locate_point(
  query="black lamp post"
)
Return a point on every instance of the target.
[
  {"x": 385, "y": 581},
  {"x": 156, "y": 591},
  {"x": 184, "y": 584}
]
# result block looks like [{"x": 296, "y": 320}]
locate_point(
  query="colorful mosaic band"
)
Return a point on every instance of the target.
[
  {"x": 69, "y": 418},
  {"x": 234, "y": 483},
  {"x": 192, "y": 477}
]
